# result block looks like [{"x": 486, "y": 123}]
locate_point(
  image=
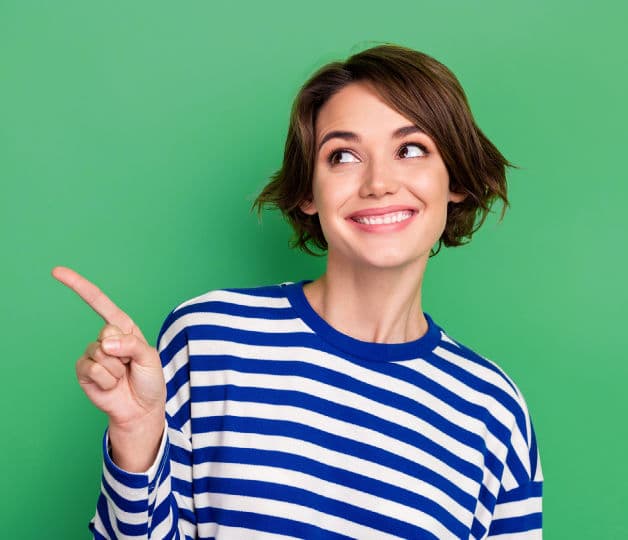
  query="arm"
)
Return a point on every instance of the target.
[
  {"x": 156, "y": 503},
  {"x": 518, "y": 508},
  {"x": 146, "y": 481}
]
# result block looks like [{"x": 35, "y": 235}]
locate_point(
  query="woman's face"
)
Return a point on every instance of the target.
[{"x": 380, "y": 186}]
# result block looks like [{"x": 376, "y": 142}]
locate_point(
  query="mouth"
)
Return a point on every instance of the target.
[{"x": 384, "y": 219}]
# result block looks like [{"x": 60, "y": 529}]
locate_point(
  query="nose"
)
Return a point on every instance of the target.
[{"x": 377, "y": 181}]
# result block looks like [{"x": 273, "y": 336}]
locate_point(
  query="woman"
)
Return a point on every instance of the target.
[{"x": 334, "y": 408}]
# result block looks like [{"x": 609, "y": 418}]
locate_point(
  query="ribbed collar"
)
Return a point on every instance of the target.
[{"x": 380, "y": 352}]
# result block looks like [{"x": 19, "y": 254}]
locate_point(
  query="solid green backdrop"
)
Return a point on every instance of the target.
[{"x": 134, "y": 137}]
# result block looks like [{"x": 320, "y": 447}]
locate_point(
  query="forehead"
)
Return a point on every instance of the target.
[{"x": 358, "y": 107}]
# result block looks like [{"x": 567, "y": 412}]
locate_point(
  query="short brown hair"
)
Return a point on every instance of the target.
[{"x": 427, "y": 93}]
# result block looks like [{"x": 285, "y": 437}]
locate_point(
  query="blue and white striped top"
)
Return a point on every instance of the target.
[{"x": 279, "y": 427}]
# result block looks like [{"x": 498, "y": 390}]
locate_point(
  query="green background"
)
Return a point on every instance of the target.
[{"x": 135, "y": 135}]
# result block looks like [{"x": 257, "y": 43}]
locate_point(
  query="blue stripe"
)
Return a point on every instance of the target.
[
  {"x": 95, "y": 534},
  {"x": 132, "y": 480},
  {"x": 103, "y": 513},
  {"x": 468, "y": 354},
  {"x": 482, "y": 386},
  {"x": 267, "y": 291},
  {"x": 331, "y": 442},
  {"x": 227, "y": 308},
  {"x": 328, "y": 473},
  {"x": 268, "y": 490},
  {"x": 130, "y": 529},
  {"x": 486, "y": 498},
  {"x": 336, "y": 411},
  {"x": 345, "y": 383},
  {"x": 265, "y": 523},
  {"x": 527, "y": 491},
  {"x": 252, "y": 337},
  {"x": 512, "y": 525},
  {"x": 516, "y": 468},
  {"x": 178, "y": 342},
  {"x": 401, "y": 363},
  {"x": 534, "y": 453},
  {"x": 133, "y": 507},
  {"x": 477, "y": 529},
  {"x": 163, "y": 510}
]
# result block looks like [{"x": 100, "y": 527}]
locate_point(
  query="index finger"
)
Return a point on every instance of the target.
[{"x": 96, "y": 299}]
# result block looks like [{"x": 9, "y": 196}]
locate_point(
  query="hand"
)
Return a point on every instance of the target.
[{"x": 122, "y": 375}]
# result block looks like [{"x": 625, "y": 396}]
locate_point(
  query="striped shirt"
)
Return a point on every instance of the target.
[{"x": 279, "y": 427}]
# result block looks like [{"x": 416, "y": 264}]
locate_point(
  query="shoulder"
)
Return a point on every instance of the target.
[
  {"x": 224, "y": 307},
  {"x": 476, "y": 366},
  {"x": 485, "y": 382}
]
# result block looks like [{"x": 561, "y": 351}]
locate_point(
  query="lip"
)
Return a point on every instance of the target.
[{"x": 380, "y": 211}]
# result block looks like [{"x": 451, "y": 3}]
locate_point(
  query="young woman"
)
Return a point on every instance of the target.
[{"x": 334, "y": 408}]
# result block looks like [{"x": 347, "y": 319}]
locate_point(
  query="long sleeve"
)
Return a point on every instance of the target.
[
  {"x": 157, "y": 503},
  {"x": 518, "y": 508}
]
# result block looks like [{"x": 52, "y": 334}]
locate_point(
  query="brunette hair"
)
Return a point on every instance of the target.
[{"x": 427, "y": 93}]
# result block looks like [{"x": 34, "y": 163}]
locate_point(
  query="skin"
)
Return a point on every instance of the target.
[
  {"x": 371, "y": 289},
  {"x": 121, "y": 375}
]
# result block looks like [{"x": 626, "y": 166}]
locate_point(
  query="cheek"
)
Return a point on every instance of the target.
[
  {"x": 330, "y": 192},
  {"x": 432, "y": 188}
]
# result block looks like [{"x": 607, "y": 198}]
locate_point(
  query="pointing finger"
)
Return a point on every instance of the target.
[{"x": 96, "y": 299}]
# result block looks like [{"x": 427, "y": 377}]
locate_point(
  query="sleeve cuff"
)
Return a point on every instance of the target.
[{"x": 137, "y": 479}]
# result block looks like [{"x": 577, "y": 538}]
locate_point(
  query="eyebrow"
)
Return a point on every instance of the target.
[{"x": 350, "y": 136}]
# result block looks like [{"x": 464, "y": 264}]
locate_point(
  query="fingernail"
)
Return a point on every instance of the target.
[{"x": 110, "y": 345}]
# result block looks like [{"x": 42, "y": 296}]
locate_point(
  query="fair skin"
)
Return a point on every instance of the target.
[
  {"x": 121, "y": 375},
  {"x": 380, "y": 172},
  {"x": 382, "y": 203}
]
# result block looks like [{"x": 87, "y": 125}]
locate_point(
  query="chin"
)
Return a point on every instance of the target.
[{"x": 392, "y": 259}]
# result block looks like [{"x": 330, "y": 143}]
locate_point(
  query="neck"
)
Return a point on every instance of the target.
[{"x": 378, "y": 305}]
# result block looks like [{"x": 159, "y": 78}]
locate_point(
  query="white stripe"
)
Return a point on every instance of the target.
[
  {"x": 339, "y": 397},
  {"x": 98, "y": 525},
  {"x": 483, "y": 515},
  {"x": 285, "y": 510},
  {"x": 335, "y": 427},
  {"x": 479, "y": 370},
  {"x": 514, "y": 509},
  {"x": 332, "y": 458},
  {"x": 241, "y": 299},
  {"x": 225, "y": 532},
  {"x": 538, "y": 477},
  {"x": 337, "y": 364},
  {"x": 519, "y": 442},
  {"x": 113, "y": 513},
  {"x": 368, "y": 502},
  {"x": 178, "y": 360},
  {"x": 234, "y": 322},
  {"x": 161, "y": 529},
  {"x": 508, "y": 480},
  {"x": 128, "y": 493}
]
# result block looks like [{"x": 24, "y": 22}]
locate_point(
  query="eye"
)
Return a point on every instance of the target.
[
  {"x": 412, "y": 150},
  {"x": 341, "y": 156}
]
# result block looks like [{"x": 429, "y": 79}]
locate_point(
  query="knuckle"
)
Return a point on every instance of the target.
[{"x": 109, "y": 330}]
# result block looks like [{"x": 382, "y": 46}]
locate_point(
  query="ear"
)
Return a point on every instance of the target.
[
  {"x": 456, "y": 197},
  {"x": 308, "y": 207}
]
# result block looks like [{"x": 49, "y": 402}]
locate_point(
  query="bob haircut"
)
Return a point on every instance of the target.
[{"x": 427, "y": 93}]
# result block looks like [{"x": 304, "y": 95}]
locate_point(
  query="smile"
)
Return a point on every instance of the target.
[{"x": 384, "y": 219}]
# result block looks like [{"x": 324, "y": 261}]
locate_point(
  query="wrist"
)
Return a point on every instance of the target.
[{"x": 134, "y": 446}]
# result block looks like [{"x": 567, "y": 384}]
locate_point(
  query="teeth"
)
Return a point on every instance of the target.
[{"x": 393, "y": 217}]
